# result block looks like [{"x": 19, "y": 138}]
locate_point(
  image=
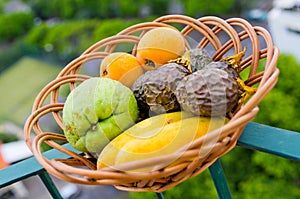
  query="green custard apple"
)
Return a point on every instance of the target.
[{"x": 97, "y": 111}]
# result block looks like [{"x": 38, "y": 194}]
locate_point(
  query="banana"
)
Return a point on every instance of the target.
[{"x": 148, "y": 139}]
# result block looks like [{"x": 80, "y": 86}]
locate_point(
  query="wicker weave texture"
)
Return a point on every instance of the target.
[{"x": 220, "y": 38}]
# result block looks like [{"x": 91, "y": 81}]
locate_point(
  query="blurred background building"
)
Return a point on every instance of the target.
[{"x": 284, "y": 24}]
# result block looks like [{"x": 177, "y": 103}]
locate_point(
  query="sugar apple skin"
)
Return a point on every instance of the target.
[
  {"x": 97, "y": 111},
  {"x": 154, "y": 90},
  {"x": 208, "y": 92}
]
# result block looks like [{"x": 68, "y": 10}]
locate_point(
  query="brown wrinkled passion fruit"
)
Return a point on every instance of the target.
[
  {"x": 208, "y": 92},
  {"x": 154, "y": 90}
]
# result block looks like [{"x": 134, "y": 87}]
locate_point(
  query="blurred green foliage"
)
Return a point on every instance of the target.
[
  {"x": 196, "y": 8},
  {"x": 207, "y": 7},
  {"x": 3, "y": 3},
  {"x": 68, "y": 39},
  {"x": 62, "y": 40},
  {"x": 19, "y": 49},
  {"x": 14, "y": 25},
  {"x": 284, "y": 97},
  {"x": 78, "y": 9},
  {"x": 20, "y": 84},
  {"x": 7, "y": 137}
]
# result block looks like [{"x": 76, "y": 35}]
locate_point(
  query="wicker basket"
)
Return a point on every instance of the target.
[{"x": 220, "y": 37}]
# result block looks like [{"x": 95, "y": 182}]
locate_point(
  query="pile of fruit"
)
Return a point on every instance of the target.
[{"x": 154, "y": 103}]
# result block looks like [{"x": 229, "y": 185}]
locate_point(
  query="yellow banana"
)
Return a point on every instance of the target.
[{"x": 137, "y": 144}]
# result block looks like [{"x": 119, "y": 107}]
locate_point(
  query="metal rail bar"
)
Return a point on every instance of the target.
[
  {"x": 219, "y": 179},
  {"x": 51, "y": 187},
  {"x": 276, "y": 141}
]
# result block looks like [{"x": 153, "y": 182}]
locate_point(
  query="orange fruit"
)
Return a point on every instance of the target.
[
  {"x": 158, "y": 46},
  {"x": 121, "y": 66},
  {"x": 3, "y": 163}
]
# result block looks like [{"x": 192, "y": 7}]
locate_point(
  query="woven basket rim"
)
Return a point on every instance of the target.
[{"x": 209, "y": 27}]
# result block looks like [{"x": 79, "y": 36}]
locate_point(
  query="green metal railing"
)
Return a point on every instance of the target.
[{"x": 259, "y": 137}]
